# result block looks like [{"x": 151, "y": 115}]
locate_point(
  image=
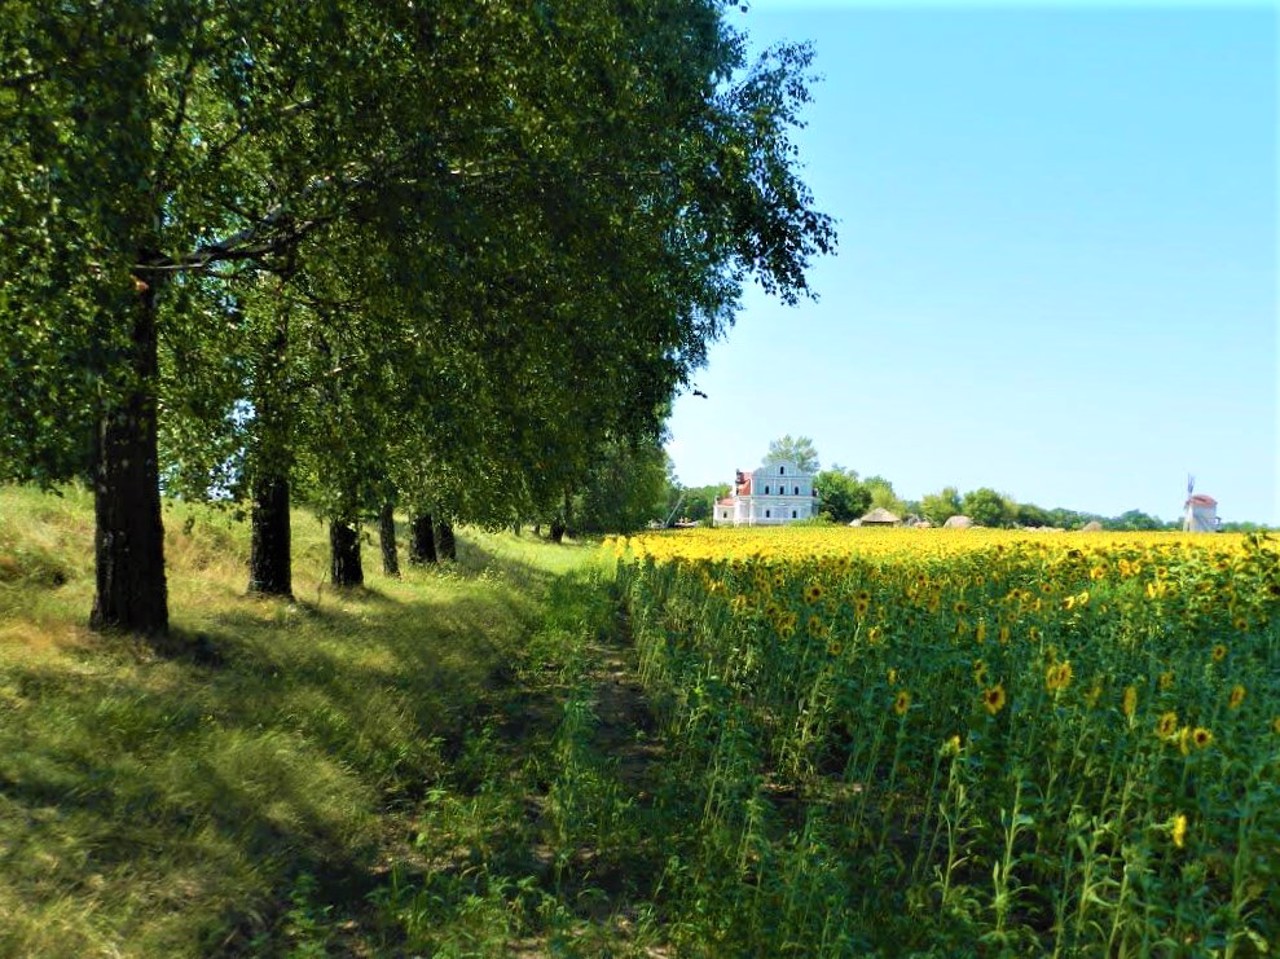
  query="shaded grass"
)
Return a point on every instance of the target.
[{"x": 167, "y": 808}]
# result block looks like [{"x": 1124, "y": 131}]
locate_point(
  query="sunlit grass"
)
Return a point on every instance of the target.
[{"x": 171, "y": 807}]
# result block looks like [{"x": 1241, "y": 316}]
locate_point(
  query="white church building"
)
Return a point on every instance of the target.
[{"x": 769, "y": 496}]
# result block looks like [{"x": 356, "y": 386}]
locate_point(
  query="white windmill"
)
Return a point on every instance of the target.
[{"x": 1200, "y": 512}]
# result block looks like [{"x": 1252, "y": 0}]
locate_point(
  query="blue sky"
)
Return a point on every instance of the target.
[{"x": 1057, "y": 266}]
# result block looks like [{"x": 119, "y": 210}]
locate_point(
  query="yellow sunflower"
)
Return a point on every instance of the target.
[
  {"x": 1201, "y": 737},
  {"x": 994, "y": 699},
  {"x": 902, "y": 702},
  {"x": 1236, "y": 697},
  {"x": 1167, "y": 727},
  {"x": 1058, "y": 676},
  {"x": 1129, "y": 704}
]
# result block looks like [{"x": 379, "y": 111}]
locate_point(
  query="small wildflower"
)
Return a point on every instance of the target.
[
  {"x": 994, "y": 699},
  {"x": 1236, "y": 697},
  {"x": 902, "y": 702}
]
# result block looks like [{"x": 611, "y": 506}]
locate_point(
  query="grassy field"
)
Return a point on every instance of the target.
[{"x": 354, "y": 773}]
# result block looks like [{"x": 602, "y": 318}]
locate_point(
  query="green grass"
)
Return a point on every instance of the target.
[{"x": 351, "y": 759}]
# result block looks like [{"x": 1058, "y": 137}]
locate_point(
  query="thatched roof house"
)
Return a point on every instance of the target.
[{"x": 879, "y": 517}]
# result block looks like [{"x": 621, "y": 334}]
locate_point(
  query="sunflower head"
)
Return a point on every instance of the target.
[
  {"x": 1129, "y": 704},
  {"x": 901, "y": 702},
  {"x": 994, "y": 699},
  {"x": 1218, "y": 653},
  {"x": 1058, "y": 676},
  {"x": 1178, "y": 830},
  {"x": 1201, "y": 737},
  {"x": 1236, "y": 697},
  {"x": 1167, "y": 727}
]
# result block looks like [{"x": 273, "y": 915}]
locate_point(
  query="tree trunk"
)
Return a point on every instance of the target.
[
  {"x": 131, "y": 592},
  {"x": 422, "y": 540},
  {"x": 269, "y": 550},
  {"x": 387, "y": 536},
  {"x": 445, "y": 540},
  {"x": 560, "y": 525},
  {"x": 344, "y": 548}
]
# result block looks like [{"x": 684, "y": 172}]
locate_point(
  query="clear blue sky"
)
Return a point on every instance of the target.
[{"x": 1057, "y": 267}]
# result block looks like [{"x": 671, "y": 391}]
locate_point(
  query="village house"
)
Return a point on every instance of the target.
[{"x": 772, "y": 495}]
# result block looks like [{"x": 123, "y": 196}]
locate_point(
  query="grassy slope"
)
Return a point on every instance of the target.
[{"x": 168, "y": 808}]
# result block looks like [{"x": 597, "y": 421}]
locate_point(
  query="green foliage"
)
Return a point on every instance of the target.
[
  {"x": 840, "y": 495},
  {"x": 624, "y": 490},
  {"x": 941, "y": 506},
  {"x": 384, "y": 247},
  {"x": 699, "y": 501},
  {"x": 798, "y": 449},
  {"x": 882, "y": 495},
  {"x": 986, "y": 507},
  {"x": 1134, "y": 520}
]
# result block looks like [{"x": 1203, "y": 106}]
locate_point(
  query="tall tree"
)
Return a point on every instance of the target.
[
  {"x": 798, "y": 449},
  {"x": 941, "y": 506},
  {"x": 840, "y": 494},
  {"x": 986, "y": 507},
  {"x": 471, "y": 196}
]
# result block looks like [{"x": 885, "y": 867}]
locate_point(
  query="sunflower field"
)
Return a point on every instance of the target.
[{"x": 973, "y": 742}]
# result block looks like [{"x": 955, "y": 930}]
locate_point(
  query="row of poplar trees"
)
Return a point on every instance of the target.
[{"x": 425, "y": 252}]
